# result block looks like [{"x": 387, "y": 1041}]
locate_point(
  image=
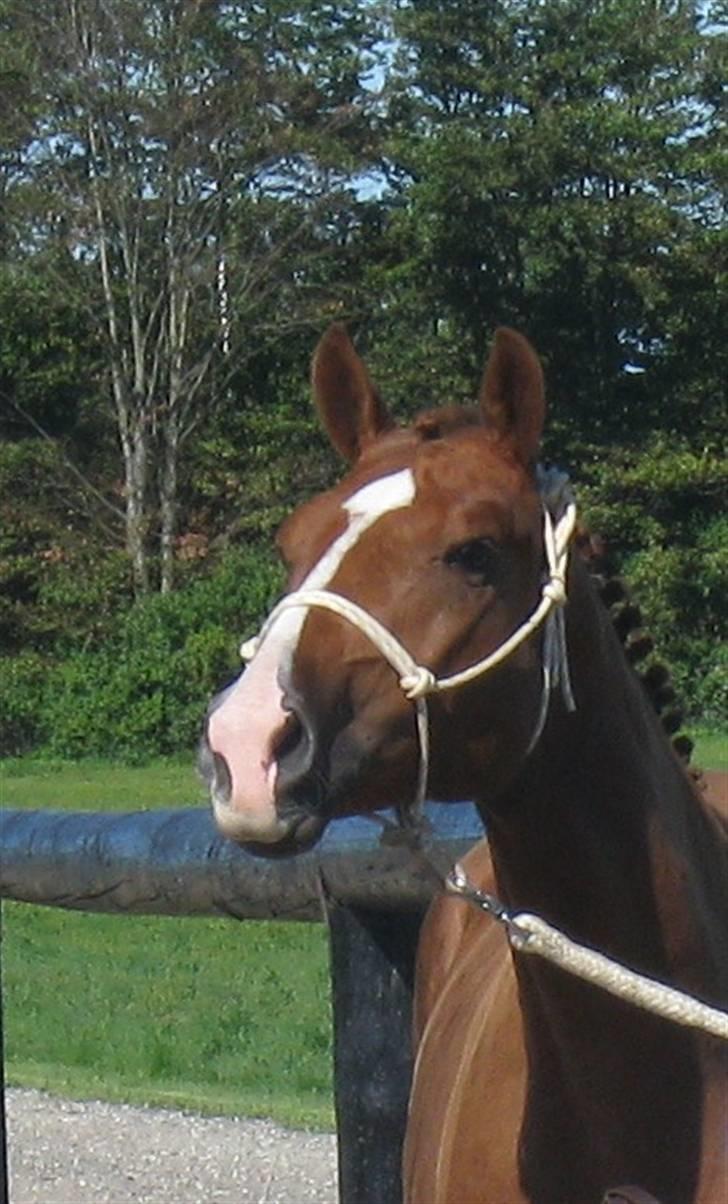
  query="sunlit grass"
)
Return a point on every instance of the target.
[
  {"x": 100, "y": 785},
  {"x": 72, "y": 1082},
  {"x": 154, "y": 1007}
]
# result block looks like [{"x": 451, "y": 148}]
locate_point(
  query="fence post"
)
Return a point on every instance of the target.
[
  {"x": 372, "y": 971},
  {"x": 3, "y": 1132}
]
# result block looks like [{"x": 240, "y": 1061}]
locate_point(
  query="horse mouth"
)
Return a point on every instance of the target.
[
  {"x": 304, "y": 833},
  {"x": 293, "y": 829}
]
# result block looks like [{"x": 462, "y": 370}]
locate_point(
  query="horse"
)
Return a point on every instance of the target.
[{"x": 436, "y": 556}]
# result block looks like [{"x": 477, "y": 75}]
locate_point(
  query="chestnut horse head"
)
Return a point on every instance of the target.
[{"x": 435, "y": 538}]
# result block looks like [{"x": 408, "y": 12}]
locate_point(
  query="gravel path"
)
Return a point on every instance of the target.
[{"x": 66, "y": 1152}]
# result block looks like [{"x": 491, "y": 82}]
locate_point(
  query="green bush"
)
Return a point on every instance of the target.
[
  {"x": 144, "y": 691},
  {"x": 60, "y": 586},
  {"x": 659, "y": 508},
  {"x": 80, "y": 600},
  {"x": 22, "y": 697},
  {"x": 710, "y": 688}
]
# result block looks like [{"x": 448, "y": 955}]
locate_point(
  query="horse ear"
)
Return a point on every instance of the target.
[
  {"x": 350, "y": 408},
  {"x": 512, "y": 393}
]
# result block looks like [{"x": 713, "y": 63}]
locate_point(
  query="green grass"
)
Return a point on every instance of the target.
[
  {"x": 207, "y": 1014},
  {"x": 295, "y": 1111},
  {"x": 212, "y": 1015},
  {"x": 99, "y": 785}
]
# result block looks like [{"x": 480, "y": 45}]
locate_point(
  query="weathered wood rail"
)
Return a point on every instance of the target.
[{"x": 172, "y": 862}]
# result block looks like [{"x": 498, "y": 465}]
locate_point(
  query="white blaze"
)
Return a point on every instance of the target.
[{"x": 246, "y": 726}]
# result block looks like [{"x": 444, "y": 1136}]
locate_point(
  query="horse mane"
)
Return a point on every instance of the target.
[{"x": 637, "y": 644}]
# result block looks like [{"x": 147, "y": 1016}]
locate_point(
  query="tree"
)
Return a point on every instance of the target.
[
  {"x": 184, "y": 154},
  {"x": 559, "y": 171}
]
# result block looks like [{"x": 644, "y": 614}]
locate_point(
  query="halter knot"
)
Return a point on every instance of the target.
[
  {"x": 419, "y": 682},
  {"x": 555, "y": 590}
]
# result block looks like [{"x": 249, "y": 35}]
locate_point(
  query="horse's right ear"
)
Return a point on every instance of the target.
[
  {"x": 348, "y": 404},
  {"x": 512, "y": 394}
]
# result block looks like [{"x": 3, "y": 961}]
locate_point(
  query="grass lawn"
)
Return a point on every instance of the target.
[
  {"x": 213, "y": 1015},
  {"x": 99, "y": 785}
]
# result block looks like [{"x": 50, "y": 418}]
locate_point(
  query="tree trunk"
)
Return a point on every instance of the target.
[
  {"x": 136, "y": 469},
  {"x": 168, "y": 504}
]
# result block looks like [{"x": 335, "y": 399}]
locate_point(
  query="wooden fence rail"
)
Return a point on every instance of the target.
[{"x": 172, "y": 862}]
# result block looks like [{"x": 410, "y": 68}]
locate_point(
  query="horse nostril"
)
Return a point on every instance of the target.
[
  {"x": 289, "y": 737},
  {"x": 294, "y": 748},
  {"x": 222, "y": 783}
]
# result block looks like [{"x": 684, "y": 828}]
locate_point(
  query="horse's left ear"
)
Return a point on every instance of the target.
[
  {"x": 349, "y": 405},
  {"x": 512, "y": 393}
]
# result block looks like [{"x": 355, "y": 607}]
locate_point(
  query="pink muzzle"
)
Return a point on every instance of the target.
[{"x": 244, "y": 731}]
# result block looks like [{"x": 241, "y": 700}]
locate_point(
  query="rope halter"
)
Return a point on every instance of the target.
[{"x": 418, "y": 681}]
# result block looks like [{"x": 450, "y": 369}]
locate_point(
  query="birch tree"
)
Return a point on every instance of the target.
[{"x": 184, "y": 152}]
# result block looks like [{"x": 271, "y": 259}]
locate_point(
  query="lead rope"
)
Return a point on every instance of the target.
[{"x": 530, "y": 934}]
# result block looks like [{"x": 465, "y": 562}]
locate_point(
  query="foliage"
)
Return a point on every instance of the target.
[
  {"x": 185, "y": 161},
  {"x": 660, "y": 508},
  {"x": 551, "y": 164},
  {"x": 559, "y": 173},
  {"x": 48, "y": 367},
  {"x": 142, "y": 691},
  {"x": 21, "y": 705},
  {"x": 60, "y": 584}
]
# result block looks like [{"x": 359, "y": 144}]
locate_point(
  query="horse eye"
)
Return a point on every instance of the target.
[{"x": 477, "y": 559}]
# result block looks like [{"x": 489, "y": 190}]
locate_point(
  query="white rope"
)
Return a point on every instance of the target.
[
  {"x": 530, "y": 934},
  {"x": 389, "y": 647}
]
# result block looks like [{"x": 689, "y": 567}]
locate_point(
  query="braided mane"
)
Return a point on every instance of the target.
[{"x": 637, "y": 643}]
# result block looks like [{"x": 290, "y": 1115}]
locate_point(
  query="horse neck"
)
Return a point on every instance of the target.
[{"x": 604, "y": 834}]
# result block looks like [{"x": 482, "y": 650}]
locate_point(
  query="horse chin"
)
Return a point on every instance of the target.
[{"x": 303, "y": 833}]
